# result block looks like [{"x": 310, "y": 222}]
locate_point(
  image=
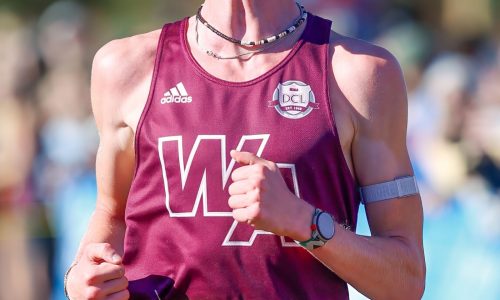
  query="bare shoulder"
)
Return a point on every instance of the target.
[
  {"x": 124, "y": 57},
  {"x": 370, "y": 78},
  {"x": 370, "y": 82},
  {"x": 121, "y": 69}
]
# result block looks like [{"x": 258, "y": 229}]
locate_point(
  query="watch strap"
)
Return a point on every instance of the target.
[
  {"x": 315, "y": 241},
  {"x": 312, "y": 244},
  {"x": 397, "y": 188}
]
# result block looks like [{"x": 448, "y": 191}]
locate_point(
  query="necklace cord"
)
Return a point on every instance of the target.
[
  {"x": 239, "y": 55},
  {"x": 298, "y": 22}
]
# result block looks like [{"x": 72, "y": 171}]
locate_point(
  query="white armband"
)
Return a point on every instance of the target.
[{"x": 397, "y": 188}]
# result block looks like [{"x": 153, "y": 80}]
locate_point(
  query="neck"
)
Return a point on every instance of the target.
[{"x": 249, "y": 19}]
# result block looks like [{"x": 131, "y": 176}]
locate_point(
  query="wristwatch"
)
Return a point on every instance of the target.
[{"x": 322, "y": 230}]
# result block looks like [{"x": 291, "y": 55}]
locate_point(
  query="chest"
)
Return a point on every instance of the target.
[{"x": 233, "y": 111}]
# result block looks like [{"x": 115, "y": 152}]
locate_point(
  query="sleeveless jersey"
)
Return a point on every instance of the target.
[{"x": 181, "y": 240}]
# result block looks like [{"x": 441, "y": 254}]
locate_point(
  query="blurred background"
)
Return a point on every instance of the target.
[{"x": 450, "y": 54}]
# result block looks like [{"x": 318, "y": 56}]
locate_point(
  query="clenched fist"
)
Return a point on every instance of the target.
[
  {"x": 99, "y": 274},
  {"x": 261, "y": 198}
]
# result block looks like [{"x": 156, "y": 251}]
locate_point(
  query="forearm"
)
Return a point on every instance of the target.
[
  {"x": 378, "y": 267},
  {"x": 98, "y": 271},
  {"x": 104, "y": 227},
  {"x": 386, "y": 266}
]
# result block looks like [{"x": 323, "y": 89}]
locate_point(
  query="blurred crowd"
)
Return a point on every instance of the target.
[{"x": 449, "y": 51}]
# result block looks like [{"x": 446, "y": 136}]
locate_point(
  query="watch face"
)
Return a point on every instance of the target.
[{"x": 325, "y": 226}]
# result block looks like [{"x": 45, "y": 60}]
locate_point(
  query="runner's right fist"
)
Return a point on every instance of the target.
[{"x": 99, "y": 274}]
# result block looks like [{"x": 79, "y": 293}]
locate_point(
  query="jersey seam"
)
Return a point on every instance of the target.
[
  {"x": 331, "y": 117},
  {"x": 149, "y": 101}
]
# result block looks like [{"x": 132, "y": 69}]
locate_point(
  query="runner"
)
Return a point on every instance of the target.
[{"x": 236, "y": 146}]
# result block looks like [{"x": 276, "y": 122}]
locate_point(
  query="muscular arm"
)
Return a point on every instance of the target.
[
  {"x": 121, "y": 74},
  {"x": 115, "y": 158},
  {"x": 390, "y": 263}
]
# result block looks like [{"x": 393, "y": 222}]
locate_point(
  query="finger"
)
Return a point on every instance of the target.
[
  {"x": 122, "y": 295},
  {"x": 240, "y": 215},
  {"x": 114, "y": 286},
  {"x": 106, "y": 271},
  {"x": 249, "y": 214},
  {"x": 241, "y": 173},
  {"x": 240, "y": 187},
  {"x": 100, "y": 252},
  {"x": 239, "y": 201},
  {"x": 246, "y": 158}
]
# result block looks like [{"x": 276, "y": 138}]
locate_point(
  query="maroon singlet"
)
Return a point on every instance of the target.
[{"x": 181, "y": 241}]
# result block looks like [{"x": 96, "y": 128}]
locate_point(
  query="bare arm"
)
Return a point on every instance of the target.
[
  {"x": 114, "y": 170},
  {"x": 115, "y": 157},
  {"x": 390, "y": 263},
  {"x": 118, "y": 94}
]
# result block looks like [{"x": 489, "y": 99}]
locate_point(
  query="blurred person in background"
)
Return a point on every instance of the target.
[
  {"x": 135, "y": 246},
  {"x": 452, "y": 136},
  {"x": 65, "y": 165},
  {"x": 18, "y": 69}
]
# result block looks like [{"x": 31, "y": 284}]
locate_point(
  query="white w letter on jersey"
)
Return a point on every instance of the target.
[{"x": 209, "y": 152}]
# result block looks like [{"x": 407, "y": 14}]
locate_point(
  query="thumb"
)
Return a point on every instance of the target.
[
  {"x": 103, "y": 252},
  {"x": 245, "y": 158}
]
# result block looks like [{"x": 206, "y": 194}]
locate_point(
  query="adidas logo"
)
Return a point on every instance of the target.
[{"x": 177, "y": 94}]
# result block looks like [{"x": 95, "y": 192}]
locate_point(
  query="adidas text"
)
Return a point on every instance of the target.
[
  {"x": 176, "y": 99},
  {"x": 177, "y": 94}
]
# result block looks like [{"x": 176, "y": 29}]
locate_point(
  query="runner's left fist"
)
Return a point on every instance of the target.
[{"x": 261, "y": 198}]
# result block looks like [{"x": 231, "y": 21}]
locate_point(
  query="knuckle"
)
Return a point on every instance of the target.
[
  {"x": 256, "y": 213},
  {"x": 272, "y": 167},
  {"x": 89, "y": 248},
  {"x": 122, "y": 272},
  {"x": 126, "y": 294},
  {"x": 122, "y": 283},
  {"x": 90, "y": 276},
  {"x": 92, "y": 293},
  {"x": 106, "y": 247},
  {"x": 257, "y": 183},
  {"x": 255, "y": 194},
  {"x": 260, "y": 169},
  {"x": 119, "y": 273},
  {"x": 261, "y": 187}
]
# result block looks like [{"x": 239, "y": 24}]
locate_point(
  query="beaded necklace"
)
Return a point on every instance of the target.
[
  {"x": 239, "y": 55},
  {"x": 300, "y": 20}
]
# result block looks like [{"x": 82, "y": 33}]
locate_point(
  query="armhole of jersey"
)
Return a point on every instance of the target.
[
  {"x": 147, "y": 106},
  {"x": 331, "y": 116}
]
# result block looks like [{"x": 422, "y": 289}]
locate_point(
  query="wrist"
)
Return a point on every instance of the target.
[
  {"x": 299, "y": 228},
  {"x": 322, "y": 230}
]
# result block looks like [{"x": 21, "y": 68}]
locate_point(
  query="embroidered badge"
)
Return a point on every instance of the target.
[{"x": 293, "y": 99}]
